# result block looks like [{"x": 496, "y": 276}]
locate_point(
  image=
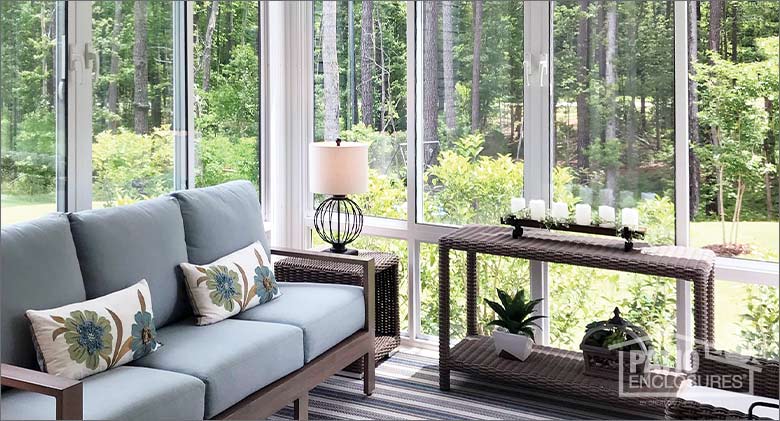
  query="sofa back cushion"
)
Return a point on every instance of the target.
[
  {"x": 119, "y": 246},
  {"x": 221, "y": 219},
  {"x": 39, "y": 270}
]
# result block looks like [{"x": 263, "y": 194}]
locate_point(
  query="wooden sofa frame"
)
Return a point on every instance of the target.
[{"x": 265, "y": 402}]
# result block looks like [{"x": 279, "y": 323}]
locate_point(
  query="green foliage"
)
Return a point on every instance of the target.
[
  {"x": 230, "y": 107},
  {"x": 470, "y": 188},
  {"x": 515, "y": 313},
  {"x": 760, "y": 326},
  {"x": 222, "y": 159},
  {"x": 132, "y": 166}
]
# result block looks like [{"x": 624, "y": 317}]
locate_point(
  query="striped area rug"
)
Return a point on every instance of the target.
[{"x": 407, "y": 387}]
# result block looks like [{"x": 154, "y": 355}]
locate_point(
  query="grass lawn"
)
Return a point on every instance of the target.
[{"x": 762, "y": 236}]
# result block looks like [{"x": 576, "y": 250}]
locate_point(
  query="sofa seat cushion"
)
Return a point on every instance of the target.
[
  {"x": 118, "y": 247},
  {"x": 124, "y": 393},
  {"x": 326, "y": 313},
  {"x": 234, "y": 358},
  {"x": 221, "y": 219},
  {"x": 730, "y": 400},
  {"x": 38, "y": 270}
]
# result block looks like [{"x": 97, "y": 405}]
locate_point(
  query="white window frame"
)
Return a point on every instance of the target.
[
  {"x": 79, "y": 88},
  {"x": 538, "y": 28}
]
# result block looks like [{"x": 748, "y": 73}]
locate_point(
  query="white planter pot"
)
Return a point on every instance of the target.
[{"x": 518, "y": 346}]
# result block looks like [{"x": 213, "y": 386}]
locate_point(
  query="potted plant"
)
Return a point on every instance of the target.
[
  {"x": 608, "y": 345},
  {"x": 514, "y": 333}
]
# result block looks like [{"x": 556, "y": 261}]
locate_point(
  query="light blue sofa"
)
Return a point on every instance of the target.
[{"x": 248, "y": 366}]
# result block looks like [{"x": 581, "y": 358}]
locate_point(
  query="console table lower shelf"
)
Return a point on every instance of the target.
[{"x": 555, "y": 371}]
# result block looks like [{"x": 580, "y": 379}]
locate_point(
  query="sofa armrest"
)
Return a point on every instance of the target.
[
  {"x": 369, "y": 273},
  {"x": 67, "y": 393}
]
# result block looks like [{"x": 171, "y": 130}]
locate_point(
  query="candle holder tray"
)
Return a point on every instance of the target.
[{"x": 626, "y": 233}]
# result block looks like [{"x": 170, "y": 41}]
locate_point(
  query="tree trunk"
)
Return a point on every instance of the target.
[
  {"x": 734, "y": 31},
  {"x": 205, "y": 63},
  {"x": 113, "y": 70},
  {"x": 475, "y": 122},
  {"x": 694, "y": 166},
  {"x": 447, "y": 64},
  {"x": 366, "y": 63},
  {"x": 229, "y": 31},
  {"x": 140, "y": 65},
  {"x": 331, "y": 70},
  {"x": 430, "y": 66},
  {"x": 583, "y": 70},
  {"x": 770, "y": 147},
  {"x": 44, "y": 61},
  {"x": 716, "y": 9},
  {"x": 610, "y": 84},
  {"x": 716, "y": 15},
  {"x": 633, "y": 18}
]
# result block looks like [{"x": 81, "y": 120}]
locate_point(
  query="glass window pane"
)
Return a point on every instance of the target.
[
  {"x": 360, "y": 92},
  {"x": 493, "y": 272},
  {"x": 581, "y": 295},
  {"x": 614, "y": 145},
  {"x": 746, "y": 319},
  {"x": 31, "y": 158},
  {"x": 386, "y": 245},
  {"x": 472, "y": 106},
  {"x": 227, "y": 84},
  {"x": 614, "y": 109},
  {"x": 734, "y": 122},
  {"x": 132, "y": 149}
]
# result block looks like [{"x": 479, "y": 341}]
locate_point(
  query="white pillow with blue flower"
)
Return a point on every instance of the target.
[
  {"x": 82, "y": 339},
  {"x": 230, "y": 285}
]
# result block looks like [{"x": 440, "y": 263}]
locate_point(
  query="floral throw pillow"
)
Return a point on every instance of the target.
[
  {"x": 230, "y": 285},
  {"x": 82, "y": 339}
]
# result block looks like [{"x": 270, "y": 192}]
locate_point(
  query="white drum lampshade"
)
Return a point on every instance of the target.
[{"x": 338, "y": 168}]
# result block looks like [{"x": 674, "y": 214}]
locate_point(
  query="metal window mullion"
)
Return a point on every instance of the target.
[
  {"x": 79, "y": 108},
  {"x": 413, "y": 199},
  {"x": 264, "y": 147},
  {"x": 61, "y": 106},
  {"x": 183, "y": 96},
  {"x": 681, "y": 181},
  {"x": 537, "y": 130}
]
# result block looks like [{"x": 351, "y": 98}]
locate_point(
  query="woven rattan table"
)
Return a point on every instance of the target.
[
  {"x": 388, "y": 325},
  {"x": 476, "y": 355}
]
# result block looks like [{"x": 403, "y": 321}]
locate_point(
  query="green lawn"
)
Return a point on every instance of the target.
[{"x": 762, "y": 236}]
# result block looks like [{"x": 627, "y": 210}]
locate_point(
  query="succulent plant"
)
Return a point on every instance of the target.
[{"x": 515, "y": 314}]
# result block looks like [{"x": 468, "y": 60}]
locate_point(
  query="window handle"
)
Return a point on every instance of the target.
[
  {"x": 527, "y": 71},
  {"x": 92, "y": 60},
  {"x": 544, "y": 70},
  {"x": 77, "y": 65},
  {"x": 62, "y": 67}
]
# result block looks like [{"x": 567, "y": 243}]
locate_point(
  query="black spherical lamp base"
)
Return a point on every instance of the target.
[{"x": 338, "y": 220}]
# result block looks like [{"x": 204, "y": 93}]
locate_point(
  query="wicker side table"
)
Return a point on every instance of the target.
[{"x": 388, "y": 325}]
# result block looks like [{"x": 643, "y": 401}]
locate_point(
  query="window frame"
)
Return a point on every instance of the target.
[
  {"x": 79, "y": 97},
  {"x": 538, "y": 19}
]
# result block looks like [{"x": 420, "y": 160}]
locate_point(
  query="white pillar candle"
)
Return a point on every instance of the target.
[
  {"x": 582, "y": 214},
  {"x": 630, "y": 218},
  {"x": 607, "y": 215},
  {"x": 518, "y": 204},
  {"x": 559, "y": 210},
  {"x": 537, "y": 209}
]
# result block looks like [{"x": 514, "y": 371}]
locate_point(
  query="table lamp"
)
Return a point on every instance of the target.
[{"x": 337, "y": 169}]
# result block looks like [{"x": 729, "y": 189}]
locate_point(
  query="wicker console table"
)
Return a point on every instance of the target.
[
  {"x": 388, "y": 325},
  {"x": 694, "y": 265}
]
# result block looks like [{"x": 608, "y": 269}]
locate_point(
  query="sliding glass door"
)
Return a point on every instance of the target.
[{"x": 32, "y": 109}]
